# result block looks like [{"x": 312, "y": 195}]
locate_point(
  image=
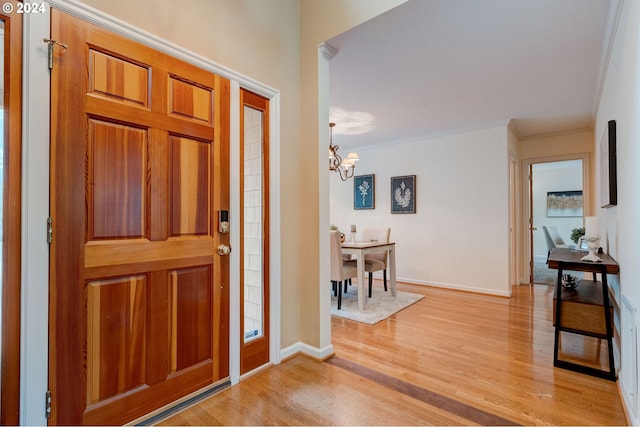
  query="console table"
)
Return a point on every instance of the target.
[{"x": 584, "y": 297}]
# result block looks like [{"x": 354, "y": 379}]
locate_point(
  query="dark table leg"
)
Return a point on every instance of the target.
[
  {"x": 558, "y": 314},
  {"x": 609, "y": 326}
]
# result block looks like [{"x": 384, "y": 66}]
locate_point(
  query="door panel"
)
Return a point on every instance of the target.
[
  {"x": 116, "y": 313},
  {"x": 116, "y": 196},
  {"x": 190, "y": 190},
  {"x": 116, "y": 78},
  {"x": 139, "y": 168},
  {"x": 190, "y": 307}
]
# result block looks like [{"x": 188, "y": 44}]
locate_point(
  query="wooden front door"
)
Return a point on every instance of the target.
[{"x": 139, "y": 171}]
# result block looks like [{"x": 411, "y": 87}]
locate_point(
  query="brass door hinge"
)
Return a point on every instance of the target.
[
  {"x": 51, "y": 43},
  {"x": 49, "y": 230},
  {"x": 47, "y": 404}
]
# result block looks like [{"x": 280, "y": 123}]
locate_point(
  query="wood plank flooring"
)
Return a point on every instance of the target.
[{"x": 454, "y": 358}]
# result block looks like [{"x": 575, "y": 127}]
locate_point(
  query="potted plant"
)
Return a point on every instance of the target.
[{"x": 576, "y": 234}]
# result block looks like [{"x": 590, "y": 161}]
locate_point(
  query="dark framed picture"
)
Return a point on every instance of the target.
[
  {"x": 565, "y": 204},
  {"x": 364, "y": 192},
  {"x": 403, "y": 194},
  {"x": 608, "y": 179}
]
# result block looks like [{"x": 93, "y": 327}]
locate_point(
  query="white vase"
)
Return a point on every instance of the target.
[{"x": 593, "y": 243}]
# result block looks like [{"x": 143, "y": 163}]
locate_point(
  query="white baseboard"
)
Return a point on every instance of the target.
[
  {"x": 306, "y": 349},
  {"x": 541, "y": 259},
  {"x": 455, "y": 287}
]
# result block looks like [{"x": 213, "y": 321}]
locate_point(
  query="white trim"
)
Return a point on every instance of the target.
[
  {"x": 234, "y": 235},
  {"x": 35, "y": 209},
  {"x": 586, "y": 191},
  {"x": 302, "y": 348},
  {"x": 455, "y": 287},
  {"x": 514, "y": 218},
  {"x": 323, "y": 297},
  {"x": 115, "y": 25},
  {"x": 326, "y": 51},
  {"x": 607, "y": 48},
  {"x": 275, "y": 231},
  {"x": 540, "y": 259}
]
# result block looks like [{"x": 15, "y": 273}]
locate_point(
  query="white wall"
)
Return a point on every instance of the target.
[
  {"x": 554, "y": 176},
  {"x": 619, "y": 226},
  {"x": 458, "y": 237}
]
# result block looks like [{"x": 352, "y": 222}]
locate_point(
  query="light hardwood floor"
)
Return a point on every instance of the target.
[{"x": 453, "y": 358}]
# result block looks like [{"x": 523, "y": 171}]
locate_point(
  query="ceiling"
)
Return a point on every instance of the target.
[{"x": 435, "y": 67}]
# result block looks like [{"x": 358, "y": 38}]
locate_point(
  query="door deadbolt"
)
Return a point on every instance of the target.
[{"x": 223, "y": 222}]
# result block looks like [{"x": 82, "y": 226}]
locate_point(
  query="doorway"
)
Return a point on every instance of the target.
[
  {"x": 558, "y": 200},
  {"x": 139, "y": 298}
]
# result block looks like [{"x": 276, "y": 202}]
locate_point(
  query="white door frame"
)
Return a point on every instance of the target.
[
  {"x": 586, "y": 191},
  {"x": 35, "y": 250}
]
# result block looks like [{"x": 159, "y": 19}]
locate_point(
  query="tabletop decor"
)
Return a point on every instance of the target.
[
  {"x": 364, "y": 192},
  {"x": 576, "y": 235},
  {"x": 403, "y": 194},
  {"x": 569, "y": 281},
  {"x": 593, "y": 242}
]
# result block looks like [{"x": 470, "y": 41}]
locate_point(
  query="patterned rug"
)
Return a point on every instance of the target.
[{"x": 380, "y": 306}]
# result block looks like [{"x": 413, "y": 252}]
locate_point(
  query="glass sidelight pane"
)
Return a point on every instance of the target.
[{"x": 253, "y": 244}]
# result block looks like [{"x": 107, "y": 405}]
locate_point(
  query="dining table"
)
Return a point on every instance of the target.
[{"x": 359, "y": 250}]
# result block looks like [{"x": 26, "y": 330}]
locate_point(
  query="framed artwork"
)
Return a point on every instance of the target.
[
  {"x": 564, "y": 204},
  {"x": 403, "y": 194},
  {"x": 364, "y": 192},
  {"x": 608, "y": 176}
]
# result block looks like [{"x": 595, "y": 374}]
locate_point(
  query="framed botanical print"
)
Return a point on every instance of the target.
[
  {"x": 364, "y": 187},
  {"x": 403, "y": 194}
]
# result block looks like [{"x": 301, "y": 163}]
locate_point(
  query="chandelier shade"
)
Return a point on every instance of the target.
[{"x": 344, "y": 167}]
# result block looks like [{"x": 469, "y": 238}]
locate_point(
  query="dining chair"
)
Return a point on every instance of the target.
[
  {"x": 341, "y": 270},
  {"x": 553, "y": 238},
  {"x": 376, "y": 261}
]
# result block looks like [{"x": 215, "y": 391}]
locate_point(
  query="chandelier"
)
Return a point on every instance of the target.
[{"x": 346, "y": 167}]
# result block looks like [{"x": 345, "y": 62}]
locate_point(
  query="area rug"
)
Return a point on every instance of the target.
[
  {"x": 380, "y": 306},
  {"x": 543, "y": 275}
]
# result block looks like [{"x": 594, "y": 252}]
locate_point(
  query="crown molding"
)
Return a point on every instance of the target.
[
  {"x": 327, "y": 51},
  {"x": 612, "y": 26},
  {"x": 113, "y": 24}
]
